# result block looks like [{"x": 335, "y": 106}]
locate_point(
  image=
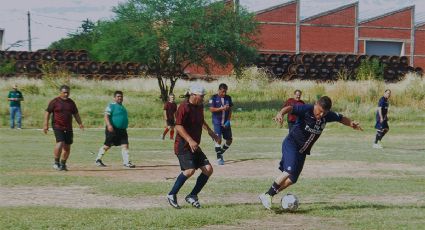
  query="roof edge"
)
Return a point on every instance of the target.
[
  {"x": 276, "y": 7},
  {"x": 356, "y": 4},
  {"x": 387, "y": 14}
]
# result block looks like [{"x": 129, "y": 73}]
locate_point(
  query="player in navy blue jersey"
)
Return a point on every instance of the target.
[
  {"x": 296, "y": 146},
  {"x": 221, "y": 108},
  {"x": 381, "y": 125}
]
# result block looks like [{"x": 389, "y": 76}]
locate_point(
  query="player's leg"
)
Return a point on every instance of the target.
[
  {"x": 66, "y": 149},
  {"x": 57, "y": 150},
  {"x": 19, "y": 117},
  {"x": 109, "y": 141},
  {"x": 12, "y": 117},
  {"x": 172, "y": 132},
  {"x": 227, "y": 135},
  {"x": 202, "y": 162},
  {"x": 126, "y": 156},
  {"x": 166, "y": 129},
  {"x": 217, "y": 145}
]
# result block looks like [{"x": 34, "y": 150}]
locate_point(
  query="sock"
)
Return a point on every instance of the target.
[
  {"x": 57, "y": 160},
  {"x": 225, "y": 147},
  {"x": 200, "y": 182},
  {"x": 100, "y": 153},
  {"x": 218, "y": 149},
  {"x": 172, "y": 134},
  {"x": 125, "y": 156},
  {"x": 379, "y": 135},
  {"x": 178, "y": 184},
  {"x": 63, "y": 162},
  {"x": 274, "y": 189},
  {"x": 165, "y": 132}
]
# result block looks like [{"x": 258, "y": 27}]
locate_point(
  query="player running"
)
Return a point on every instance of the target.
[
  {"x": 221, "y": 108},
  {"x": 296, "y": 146},
  {"x": 382, "y": 119},
  {"x": 170, "y": 108}
]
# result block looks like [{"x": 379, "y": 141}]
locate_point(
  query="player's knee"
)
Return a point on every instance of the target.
[
  {"x": 229, "y": 141},
  {"x": 189, "y": 172},
  {"x": 292, "y": 179}
]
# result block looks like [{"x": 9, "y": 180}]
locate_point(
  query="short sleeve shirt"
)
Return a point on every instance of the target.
[
  {"x": 62, "y": 111},
  {"x": 308, "y": 129},
  {"x": 118, "y": 115},
  {"x": 191, "y": 117},
  {"x": 383, "y": 103},
  {"x": 15, "y": 94},
  {"x": 219, "y": 118},
  {"x": 292, "y": 102},
  {"x": 170, "y": 110}
]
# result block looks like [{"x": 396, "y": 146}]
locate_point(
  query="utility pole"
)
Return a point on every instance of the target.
[{"x": 29, "y": 31}]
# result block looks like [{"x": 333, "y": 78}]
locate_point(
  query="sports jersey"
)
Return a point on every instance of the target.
[
  {"x": 62, "y": 111},
  {"x": 383, "y": 103},
  {"x": 170, "y": 109},
  {"x": 191, "y": 117},
  {"x": 15, "y": 94},
  {"x": 307, "y": 129},
  {"x": 292, "y": 102},
  {"x": 219, "y": 118},
  {"x": 117, "y": 115}
]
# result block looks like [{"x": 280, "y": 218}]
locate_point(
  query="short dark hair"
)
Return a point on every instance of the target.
[
  {"x": 64, "y": 87},
  {"x": 118, "y": 92},
  {"x": 387, "y": 90},
  {"x": 222, "y": 86},
  {"x": 325, "y": 102},
  {"x": 297, "y": 90}
]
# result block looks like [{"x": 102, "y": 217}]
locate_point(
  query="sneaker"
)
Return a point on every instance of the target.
[
  {"x": 377, "y": 146},
  {"x": 100, "y": 163},
  {"x": 266, "y": 200},
  {"x": 220, "y": 160},
  {"x": 129, "y": 165},
  {"x": 63, "y": 167},
  {"x": 162, "y": 137},
  {"x": 172, "y": 200},
  {"x": 56, "y": 166},
  {"x": 193, "y": 200}
]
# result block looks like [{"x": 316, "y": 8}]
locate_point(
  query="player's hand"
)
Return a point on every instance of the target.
[
  {"x": 193, "y": 145},
  {"x": 110, "y": 128},
  {"x": 225, "y": 107},
  {"x": 355, "y": 125},
  {"x": 278, "y": 118},
  {"x": 381, "y": 120},
  {"x": 45, "y": 129},
  {"x": 81, "y": 126}
]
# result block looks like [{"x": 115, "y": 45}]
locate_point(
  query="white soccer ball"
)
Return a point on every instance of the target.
[{"x": 289, "y": 202}]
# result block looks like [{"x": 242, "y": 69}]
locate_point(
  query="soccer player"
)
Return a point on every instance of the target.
[
  {"x": 15, "y": 97},
  {"x": 296, "y": 146},
  {"x": 296, "y": 100},
  {"x": 116, "y": 119},
  {"x": 189, "y": 124},
  {"x": 62, "y": 108},
  {"x": 381, "y": 125},
  {"x": 221, "y": 108},
  {"x": 170, "y": 109}
]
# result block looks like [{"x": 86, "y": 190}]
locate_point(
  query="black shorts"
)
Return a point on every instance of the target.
[
  {"x": 189, "y": 160},
  {"x": 64, "y": 136},
  {"x": 171, "y": 122},
  {"x": 117, "y": 137}
]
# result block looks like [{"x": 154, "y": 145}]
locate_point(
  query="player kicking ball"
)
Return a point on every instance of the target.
[{"x": 296, "y": 146}]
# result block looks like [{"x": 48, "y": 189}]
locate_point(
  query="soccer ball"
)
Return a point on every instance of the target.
[{"x": 289, "y": 202}]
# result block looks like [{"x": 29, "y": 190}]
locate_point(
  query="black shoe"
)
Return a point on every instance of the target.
[
  {"x": 56, "y": 166},
  {"x": 100, "y": 163},
  {"x": 129, "y": 165},
  {"x": 63, "y": 167},
  {"x": 193, "y": 200},
  {"x": 172, "y": 200}
]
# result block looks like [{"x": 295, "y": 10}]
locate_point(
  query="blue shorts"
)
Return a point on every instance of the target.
[
  {"x": 383, "y": 125},
  {"x": 226, "y": 132},
  {"x": 292, "y": 161}
]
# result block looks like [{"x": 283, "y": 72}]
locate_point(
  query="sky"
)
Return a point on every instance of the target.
[{"x": 52, "y": 20}]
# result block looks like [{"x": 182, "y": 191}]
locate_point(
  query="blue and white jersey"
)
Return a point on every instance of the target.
[
  {"x": 384, "y": 104},
  {"x": 307, "y": 129},
  {"x": 219, "y": 118}
]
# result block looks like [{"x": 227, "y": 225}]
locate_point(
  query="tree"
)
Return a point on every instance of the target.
[{"x": 170, "y": 35}]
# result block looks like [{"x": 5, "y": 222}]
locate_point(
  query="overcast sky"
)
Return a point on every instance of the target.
[{"x": 54, "y": 19}]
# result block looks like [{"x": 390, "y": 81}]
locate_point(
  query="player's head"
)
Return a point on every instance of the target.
[
  {"x": 64, "y": 91},
  {"x": 171, "y": 97},
  {"x": 118, "y": 96},
  {"x": 15, "y": 87},
  {"x": 297, "y": 94},
  {"x": 387, "y": 93},
  {"x": 197, "y": 93},
  {"x": 322, "y": 107},
  {"x": 222, "y": 90}
]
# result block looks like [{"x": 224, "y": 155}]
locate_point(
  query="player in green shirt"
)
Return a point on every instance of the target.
[
  {"x": 116, "y": 119},
  {"x": 15, "y": 97}
]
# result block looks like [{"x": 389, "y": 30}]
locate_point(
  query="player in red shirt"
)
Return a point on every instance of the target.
[
  {"x": 62, "y": 108},
  {"x": 296, "y": 100},
  {"x": 170, "y": 108},
  {"x": 189, "y": 123}
]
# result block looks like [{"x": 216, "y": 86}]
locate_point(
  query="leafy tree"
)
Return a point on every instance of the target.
[{"x": 170, "y": 35}]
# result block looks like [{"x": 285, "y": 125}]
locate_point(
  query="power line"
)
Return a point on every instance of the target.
[{"x": 64, "y": 19}]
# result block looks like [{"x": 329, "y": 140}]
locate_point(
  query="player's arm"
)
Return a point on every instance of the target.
[
  {"x": 353, "y": 124},
  {"x": 46, "y": 122},
  {"x": 285, "y": 110},
  {"x": 210, "y": 132},
  {"x": 108, "y": 123},
  {"x": 381, "y": 118},
  {"x": 219, "y": 109},
  {"x": 78, "y": 119},
  {"x": 182, "y": 132},
  {"x": 10, "y": 98}
]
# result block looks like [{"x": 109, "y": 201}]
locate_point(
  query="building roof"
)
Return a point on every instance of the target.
[
  {"x": 355, "y": 4},
  {"x": 386, "y": 14},
  {"x": 276, "y": 7}
]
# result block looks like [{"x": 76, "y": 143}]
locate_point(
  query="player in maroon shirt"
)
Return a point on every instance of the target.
[
  {"x": 189, "y": 123},
  {"x": 62, "y": 108},
  {"x": 170, "y": 109},
  {"x": 296, "y": 100}
]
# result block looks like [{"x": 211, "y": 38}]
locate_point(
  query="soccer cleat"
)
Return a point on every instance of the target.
[
  {"x": 172, "y": 200},
  {"x": 56, "y": 166},
  {"x": 63, "y": 167},
  {"x": 99, "y": 163},
  {"x": 193, "y": 200},
  {"x": 266, "y": 200},
  {"x": 220, "y": 160},
  {"x": 129, "y": 165},
  {"x": 377, "y": 146}
]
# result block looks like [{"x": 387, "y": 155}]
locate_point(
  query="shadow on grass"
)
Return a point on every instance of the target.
[{"x": 247, "y": 159}]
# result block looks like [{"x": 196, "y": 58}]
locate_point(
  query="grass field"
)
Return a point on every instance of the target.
[{"x": 345, "y": 184}]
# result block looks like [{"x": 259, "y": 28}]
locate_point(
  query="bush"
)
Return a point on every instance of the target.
[
  {"x": 370, "y": 70},
  {"x": 7, "y": 67}
]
